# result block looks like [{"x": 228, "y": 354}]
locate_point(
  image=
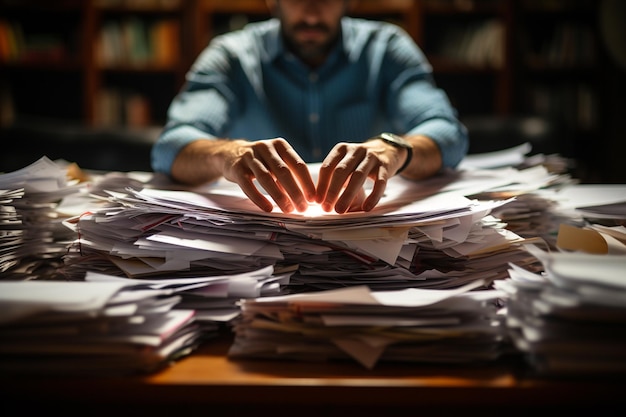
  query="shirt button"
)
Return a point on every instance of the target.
[
  {"x": 317, "y": 152},
  {"x": 314, "y": 117},
  {"x": 313, "y": 77}
]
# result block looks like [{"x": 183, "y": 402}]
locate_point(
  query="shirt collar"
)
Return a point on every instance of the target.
[{"x": 274, "y": 42}]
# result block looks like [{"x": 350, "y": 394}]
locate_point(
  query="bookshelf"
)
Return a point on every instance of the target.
[
  {"x": 138, "y": 60},
  {"x": 491, "y": 56},
  {"x": 560, "y": 66},
  {"x": 494, "y": 58},
  {"x": 42, "y": 56},
  {"x": 468, "y": 44},
  {"x": 114, "y": 62}
]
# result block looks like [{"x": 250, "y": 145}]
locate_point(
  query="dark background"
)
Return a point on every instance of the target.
[{"x": 558, "y": 79}]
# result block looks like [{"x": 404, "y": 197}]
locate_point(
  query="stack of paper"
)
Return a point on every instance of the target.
[
  {"x": 60, "y": 327},
  {"x": 571, "y": 319},
  {"x": 519, "y": 157},
  {"x": 415, "y": 237},
  {"x": 533, "y": 181},
  {"x": 214, "y": 299},
  {"x": 32, "y": 237},
  {"x": 541, "y": 213},
  {"x": 411, "y": 325}
]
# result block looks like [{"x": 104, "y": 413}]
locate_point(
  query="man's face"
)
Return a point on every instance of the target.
[{"x": 310, "y": 27}]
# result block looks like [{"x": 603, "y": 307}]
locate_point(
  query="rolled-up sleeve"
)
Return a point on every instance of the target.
[
  {"x": 417, "y": 105},
  {"x": 202, "y": 109},
  {"x": 450, "y": 136}
]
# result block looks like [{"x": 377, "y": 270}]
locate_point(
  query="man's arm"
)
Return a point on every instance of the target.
[
  {"x": 423, "y": 111},
  {"x": 202, "y": 161}
]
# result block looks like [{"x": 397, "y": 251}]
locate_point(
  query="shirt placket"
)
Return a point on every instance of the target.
[{"x": 314, "y": 112}]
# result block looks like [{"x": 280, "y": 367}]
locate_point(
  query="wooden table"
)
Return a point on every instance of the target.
[{"x": 208, "y": 383}]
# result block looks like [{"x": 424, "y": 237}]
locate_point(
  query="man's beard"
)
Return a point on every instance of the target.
[{"x": 309, "y": 51}]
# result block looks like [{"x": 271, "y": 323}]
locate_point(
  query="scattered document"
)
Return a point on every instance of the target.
[{"x": 426, "y": 276}]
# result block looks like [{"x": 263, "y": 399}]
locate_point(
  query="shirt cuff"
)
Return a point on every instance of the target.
[
  {"x": 451, "y": 138},
  {"x": 170, "y": 143}
]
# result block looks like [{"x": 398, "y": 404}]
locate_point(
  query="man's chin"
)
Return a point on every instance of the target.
[
  {"x": 308, "y": 42},
  {"x": 310, "y": 48},
  {"x": 312, "y": 59}
]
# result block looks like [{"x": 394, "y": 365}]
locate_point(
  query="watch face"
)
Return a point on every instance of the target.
[
  {"x": 395, "y": 139},
  {"x": 390, "y": 136}
]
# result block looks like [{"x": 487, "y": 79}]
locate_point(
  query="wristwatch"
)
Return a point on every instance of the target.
[{"x": 398, "y": 142}]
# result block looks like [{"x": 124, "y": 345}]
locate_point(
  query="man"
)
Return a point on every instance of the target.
[{"x": 310, "y": 85}]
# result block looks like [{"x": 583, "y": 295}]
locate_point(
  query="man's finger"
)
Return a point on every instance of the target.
[
  {"x": 265, "y": 178},
  {"x": 355, "y": 184},
  {"x": 255, "y": 195}
]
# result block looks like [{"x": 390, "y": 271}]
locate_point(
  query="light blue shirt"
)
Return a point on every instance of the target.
[{"x": 246, "y": 84}]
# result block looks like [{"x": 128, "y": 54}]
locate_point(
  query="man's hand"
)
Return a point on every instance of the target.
[
  {"x": 277, "y": 168},
  {"x": 346, "y": 168},
  {"x": 272, "y": 162}
]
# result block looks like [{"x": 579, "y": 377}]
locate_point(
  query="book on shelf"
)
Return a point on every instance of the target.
[
  {"x": 117, "y": 107},
  {"x": 567, "y": 45},
  {"x": 139, "y": 4},
  {"x": 576, "y": 104},
  {"x": 164, "y": 41},
  {"x": 479, "y": 45},
  {"x": 136, "y": 41},
  {"x": 18, "y": 46}
]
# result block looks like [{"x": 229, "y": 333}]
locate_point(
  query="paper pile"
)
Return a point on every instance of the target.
[
  {"x": 214, "y": 299},
  {"x": 531, "y": 183},
  {"x": 416, "y": 237},
  {"x": 57, "y": 327},
  {"x": 33, "y": 239},
  {"x": 411, "y": 325},
  {"x": 569, "y": 320}
]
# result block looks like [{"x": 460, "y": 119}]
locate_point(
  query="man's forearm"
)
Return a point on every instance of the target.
[{"x": 202, "y": 161}]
